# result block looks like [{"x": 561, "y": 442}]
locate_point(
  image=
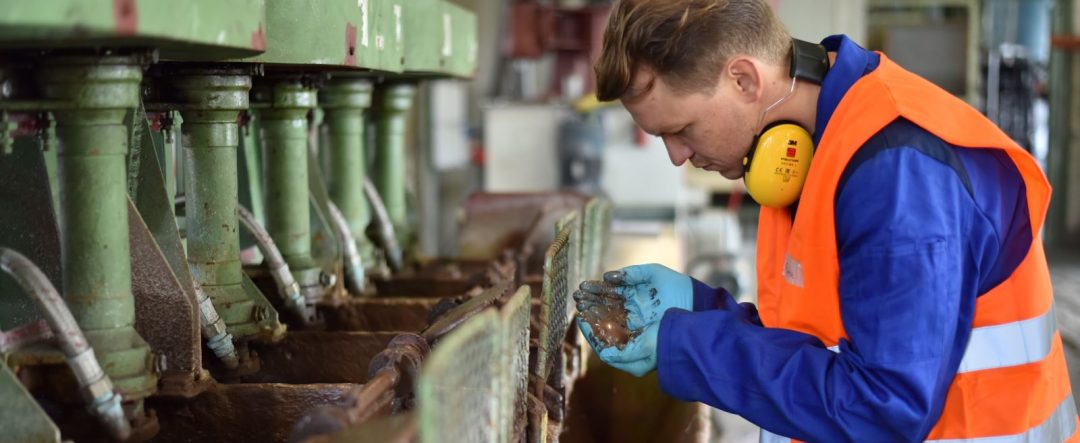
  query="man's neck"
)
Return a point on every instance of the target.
[{"x": 802, "y": 106}]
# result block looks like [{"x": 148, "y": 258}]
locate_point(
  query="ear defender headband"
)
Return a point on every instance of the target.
[{"x": 779, "y": 157}]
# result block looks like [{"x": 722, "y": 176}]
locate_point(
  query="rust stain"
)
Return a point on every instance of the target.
[
  {"x": 225, "y": 412},
  {"x": 350, "y": 44},
  {"x": 126, "y": 17},
  {"x": 258, "y": 39}
]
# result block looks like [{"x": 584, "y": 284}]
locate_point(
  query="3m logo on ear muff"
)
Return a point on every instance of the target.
[
  {"x": 777, "y": 164},
  {"x": 779, "y": 158}
]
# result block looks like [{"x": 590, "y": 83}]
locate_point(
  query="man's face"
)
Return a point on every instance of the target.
[{"x": 712, "y": 129}]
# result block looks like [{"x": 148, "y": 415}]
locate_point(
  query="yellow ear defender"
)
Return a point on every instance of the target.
[
  {"x": 776, "y": 166},
  {"x": 775, "y": 169}
]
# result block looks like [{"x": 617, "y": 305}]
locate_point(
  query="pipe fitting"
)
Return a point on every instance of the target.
[
  {"x": 289, "y": 289},
  {"x": 89, "y": 374},
  {"x": 354, "y": 266},
  {"x": 223, "y": 347},
  {"x": 109, "y": 410},
  {"x": 283, "y": 277},
  {"x": 217, "y": 336}
]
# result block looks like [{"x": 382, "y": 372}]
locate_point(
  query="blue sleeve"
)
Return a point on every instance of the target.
[
  {"x": 915, "y": 249},
  {"x": 707, "y": 298}
]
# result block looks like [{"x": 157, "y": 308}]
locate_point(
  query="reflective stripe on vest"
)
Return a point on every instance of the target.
[
  {"x": 1060, "y": 426},
  {"x": 769, "y": 437},
  {"x": 1009, "y": 344}
]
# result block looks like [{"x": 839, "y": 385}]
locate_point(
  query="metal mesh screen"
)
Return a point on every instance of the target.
[
  {"x": 572, "y": 275},
  {"x": 457, "y": 393},
  {"x": 592, "y": 241},
  {"x": 554, "y": 310},
  {"x": 515, "y": 366},
  {"x": 603, "y": 233}
]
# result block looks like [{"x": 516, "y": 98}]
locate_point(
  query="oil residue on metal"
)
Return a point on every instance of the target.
[{"x": 607, "y": 317}]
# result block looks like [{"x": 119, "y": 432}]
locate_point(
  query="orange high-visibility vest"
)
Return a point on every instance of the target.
[{"x": 1012, "y": 382}]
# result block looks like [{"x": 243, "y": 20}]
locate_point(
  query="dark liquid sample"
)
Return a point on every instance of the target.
[{"x": 607, "y": 316}]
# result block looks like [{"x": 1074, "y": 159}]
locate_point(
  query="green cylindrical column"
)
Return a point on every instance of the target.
[
  {"x": 396, "y": 101},
  {"x": 345, "y": 102},
  {"x": 95, "y": 253},
  {"x": 285, "y": 137},
  {"x": 212, "y": 101},
  {"x": 210, "y": 169}
]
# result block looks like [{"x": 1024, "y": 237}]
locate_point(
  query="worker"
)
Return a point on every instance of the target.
[{"x": 903, "y": 291}]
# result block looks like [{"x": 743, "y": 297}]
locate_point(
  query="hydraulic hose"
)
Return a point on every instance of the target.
[
  {"x": 354, "y": 267},
  {"x": 279, "y": 269},
  {"x": 97, "y": 388},
  {"x": 385, "y": 227}
]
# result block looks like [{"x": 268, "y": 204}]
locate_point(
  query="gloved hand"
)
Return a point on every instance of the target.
[
  {"x": 649, "y": 290},
  {"x": 637, "y": 358}
]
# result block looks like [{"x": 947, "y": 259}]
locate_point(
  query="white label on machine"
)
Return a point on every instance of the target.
[
  {"x": 448, "y": 36},
  {"x": 397, "y": 23},
  {"x": 363, "y": 4}
]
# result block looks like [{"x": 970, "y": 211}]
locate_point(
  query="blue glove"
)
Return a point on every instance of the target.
[
  {"x": 649, "y": 290},
  {"x": 637, "y": 358}
]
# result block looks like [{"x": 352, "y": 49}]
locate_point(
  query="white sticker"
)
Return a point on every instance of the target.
[
  {"x": 397, "y": 23},
  {"x": 448, "y": 36},
  {"x": 363, "y": 4},
  {"x": 793, "y": 273},
  {"x": 379, "y": 42}
]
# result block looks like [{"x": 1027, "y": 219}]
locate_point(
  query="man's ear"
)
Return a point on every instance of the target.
[{"x": 745, "y": 78}]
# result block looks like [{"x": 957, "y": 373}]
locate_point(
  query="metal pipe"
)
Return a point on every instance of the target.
[
  {"x": 376, "y": 395},
  {"x": 385, "y": 228},
  {"x": 93, "y": 213},
  {"x": 288, "y": 288},
  {"x": 288, "y": 212},
  {"x": 354, "y": 266},
  {"x": 391, "y": 125},
  {"x": 97, "y": 389}
]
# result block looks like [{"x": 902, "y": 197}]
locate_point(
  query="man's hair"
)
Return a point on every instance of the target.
[{"x": 686, "y": 42}]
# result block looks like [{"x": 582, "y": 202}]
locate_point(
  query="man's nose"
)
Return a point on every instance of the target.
[{"x": 677, "y": 151}]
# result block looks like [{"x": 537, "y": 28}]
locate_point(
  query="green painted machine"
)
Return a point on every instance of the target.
[{"x": 159, "y": 171}]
